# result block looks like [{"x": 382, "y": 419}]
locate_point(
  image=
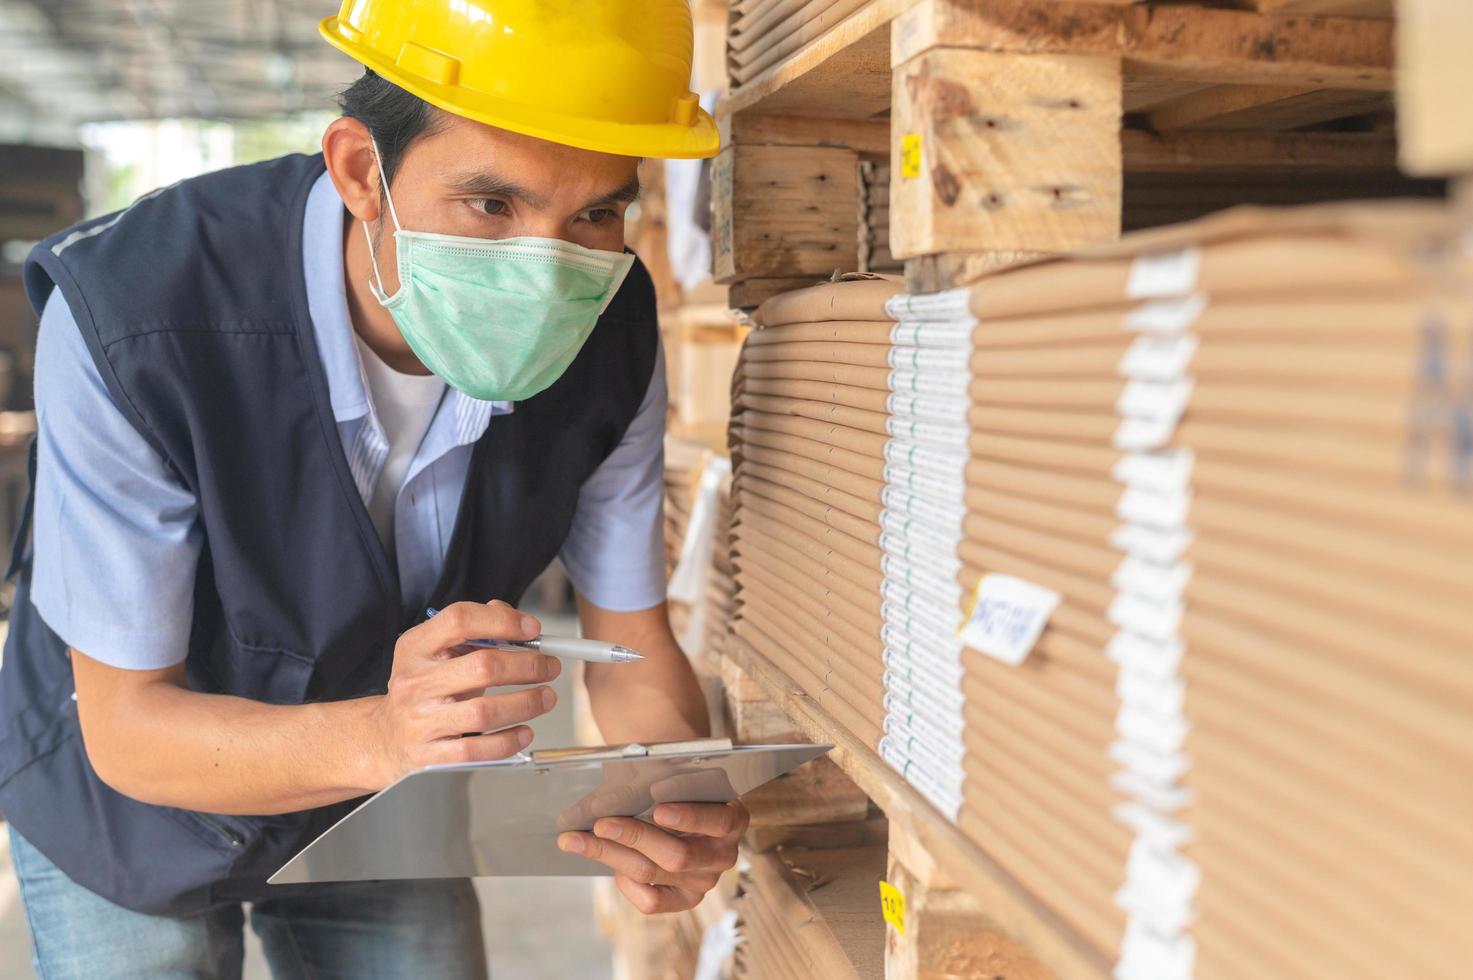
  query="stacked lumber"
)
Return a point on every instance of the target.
[
  {"x": 764, "y": 32},
  {"x": 671, "y": 946},
  {"x": 721, "y": 577},
  {"x": 874, "y": 219},
  {"x": 807, "y": 486},
  {"x": 684, "y": 462},
  {"x": 812, "y": 913}
]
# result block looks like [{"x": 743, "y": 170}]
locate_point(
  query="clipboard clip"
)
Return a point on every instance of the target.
[{"x": 630, "y": 750}]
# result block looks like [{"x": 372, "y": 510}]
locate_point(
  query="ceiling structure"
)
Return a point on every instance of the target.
[{"x": 66, "y": 62}]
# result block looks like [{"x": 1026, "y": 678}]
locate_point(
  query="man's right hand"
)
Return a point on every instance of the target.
[{"x": 436, "y": 709}]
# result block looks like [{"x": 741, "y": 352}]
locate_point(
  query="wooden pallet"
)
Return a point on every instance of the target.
[
  {"x": 1433, "y": 42},
  {"x": 1019, "y": 127}
]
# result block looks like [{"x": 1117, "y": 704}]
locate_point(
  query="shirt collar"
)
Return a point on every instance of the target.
[{"x": 327, "y": 302}]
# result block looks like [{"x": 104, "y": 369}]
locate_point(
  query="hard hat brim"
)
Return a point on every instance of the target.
[{"x": 669, "y": 141}]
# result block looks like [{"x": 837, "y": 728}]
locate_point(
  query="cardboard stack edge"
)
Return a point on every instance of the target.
[{"x": 1240, "y": 451}]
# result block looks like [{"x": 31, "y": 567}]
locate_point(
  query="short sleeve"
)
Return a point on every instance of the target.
[
  {"x": 615, "y": 552},
  {"x": 117, "y": 538}
]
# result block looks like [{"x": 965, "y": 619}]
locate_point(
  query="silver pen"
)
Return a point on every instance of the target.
[{"x": 566, "y": 647}]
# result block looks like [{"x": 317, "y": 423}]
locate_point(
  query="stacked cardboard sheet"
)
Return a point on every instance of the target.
[
  {"x": 812, "y": 913},
  {"x": 721, "y": 577},
  {"x": 874, "y": 219},
  {"x": 1237, "y": 451},
  {"x": 808, "y": 493},
  {"x": 764, "y": 32}
]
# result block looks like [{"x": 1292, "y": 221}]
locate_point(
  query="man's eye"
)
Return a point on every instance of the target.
[
  {"x": 491, "y": 206},
  {"x": 600, "y": 215}
]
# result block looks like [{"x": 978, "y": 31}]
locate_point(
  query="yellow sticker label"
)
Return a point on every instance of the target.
[
  {"x": 910, "y": 155},
  {"x": 892, "y": 903}
]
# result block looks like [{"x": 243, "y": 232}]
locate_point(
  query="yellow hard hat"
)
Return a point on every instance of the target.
[{"x": 606, "y": 75}]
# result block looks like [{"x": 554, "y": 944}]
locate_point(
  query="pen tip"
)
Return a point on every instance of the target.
[{"x": 625, "y": 655}]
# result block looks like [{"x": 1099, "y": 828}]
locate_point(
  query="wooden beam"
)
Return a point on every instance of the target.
[
  {"x": 947, "y": 932},
  {"x": 1209, "y": 152},
  {"x": 947, "y": 270},
  {"x": 784, "y": 211},
  {"x": 846, "y": 72},
  {"x": 1434, "y": 44},
  {"x": 1012, "y": 907},
  {"x": 864, "y": 135},
  {"x": 1264, "y": 107},
  {"x": 1004, "y": 152},
  {"x": 1381, "y": 9},
  {"x": 1184, "y": 42}
]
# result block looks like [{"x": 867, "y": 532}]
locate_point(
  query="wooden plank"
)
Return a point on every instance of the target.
[
  {"x": 1264, "y": 107},
  {"x": 816, "y": 792},
  {"x": 752, "y": 293},
  {"x": 1380, "y": 9},
  {"x": 947, "y": 932},
  {"x": 1434, "y": 38},
  {"x": 822, "y": 907},
  {"x": 784, "y": 211},
  {"x": 1004, "y": 152},
  {"x": 1008, "y": 903},
  {"x": 844, "y": 73},
  {"x": 1181, "y": 42},
  {"x": 864, "y": 135},
  {"x": 947, "y": 270},
  {"x": 1207, "y": 152}
]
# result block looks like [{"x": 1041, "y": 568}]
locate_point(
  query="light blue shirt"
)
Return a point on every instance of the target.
[{"x": 118, "y": 540}]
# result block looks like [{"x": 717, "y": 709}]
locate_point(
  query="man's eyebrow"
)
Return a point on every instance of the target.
[
  {"x": 490, "y": 185},
  {"x": 626, "y": 193}
]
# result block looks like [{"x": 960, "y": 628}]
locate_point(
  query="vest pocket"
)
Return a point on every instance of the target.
[{"x": 271, "y": 674}]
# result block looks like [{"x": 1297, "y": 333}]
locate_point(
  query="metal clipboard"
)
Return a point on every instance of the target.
[{"x": 502, "y": 818}]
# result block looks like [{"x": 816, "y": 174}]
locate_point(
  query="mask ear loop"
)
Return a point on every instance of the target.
[{"x": 378, "y": 287}]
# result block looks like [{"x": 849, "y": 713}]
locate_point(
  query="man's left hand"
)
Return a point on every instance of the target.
[{"x": 659, "y": 871}]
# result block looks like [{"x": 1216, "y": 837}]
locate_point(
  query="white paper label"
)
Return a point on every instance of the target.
[
  {"x": 1008, "y": 615},
  {"x": 1167, "y": 274}
]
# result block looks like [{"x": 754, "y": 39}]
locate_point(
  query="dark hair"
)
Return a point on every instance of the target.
[{"x": 394, "y": 117}]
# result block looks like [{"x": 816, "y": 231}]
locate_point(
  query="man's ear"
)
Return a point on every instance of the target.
[{"x": 348, "y": 150}]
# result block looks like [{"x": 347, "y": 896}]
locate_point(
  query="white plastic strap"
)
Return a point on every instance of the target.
[
  {"x": 1165, "y": 317},
  {"x": 1158, "y": 358},
  {"x": 1155, "y": 621},
  {"x": 1158, "y": 544},
  {"x": 1159, "y": 583},
  {"x": 953, "y": 334},
  {"x": 1169, "y": 471},
  {"x": 942, "y": 435},
  {"x": 936, "y": 408},
  {"x": 949, "y": 304},
  {"x": 1167, "y": 274},
  {"x": 928, "y": 359},
  {"x": 953, "y": 382}
]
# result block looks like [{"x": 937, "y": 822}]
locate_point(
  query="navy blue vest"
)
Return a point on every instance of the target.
[{"x": 194, "y": 306}]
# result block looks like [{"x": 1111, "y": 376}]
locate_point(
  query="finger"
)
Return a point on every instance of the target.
[
  {"x": 654, "y": 899},
  {"x": 480, "y": 669},
  {"x": 677, "y": 855},
  {"x": 491, "y": 712},
  {"x": 479, "y": 748},
  {"x": 620, "y": 859},
  {"x": 726, "y": 820},
  {"x": 462, "y": 621}
]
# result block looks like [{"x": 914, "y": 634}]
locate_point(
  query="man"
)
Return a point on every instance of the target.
[{"x": 285, "y": 408}]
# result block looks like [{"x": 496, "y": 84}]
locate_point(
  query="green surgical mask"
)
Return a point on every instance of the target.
[{"x": 499, "y": 320}]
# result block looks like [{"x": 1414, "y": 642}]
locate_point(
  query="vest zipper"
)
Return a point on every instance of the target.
[{"x": 235, "y": 839}]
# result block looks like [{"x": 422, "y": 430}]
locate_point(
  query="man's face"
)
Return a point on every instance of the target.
[{"x": 473, "y": 180}]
